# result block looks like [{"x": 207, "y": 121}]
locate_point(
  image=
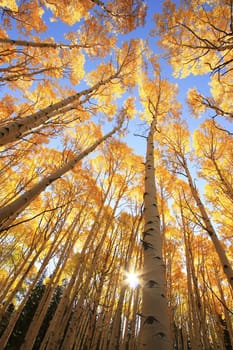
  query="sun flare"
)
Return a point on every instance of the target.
[{"x": 132, "y": 279}]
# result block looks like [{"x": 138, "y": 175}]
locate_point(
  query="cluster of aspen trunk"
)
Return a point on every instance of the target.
[{"x": 80, "y": 210}]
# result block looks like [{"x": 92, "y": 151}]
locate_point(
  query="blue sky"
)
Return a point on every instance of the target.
[
  {"x": 200, "y": 82},
  {"x": 58, "y": 29}
]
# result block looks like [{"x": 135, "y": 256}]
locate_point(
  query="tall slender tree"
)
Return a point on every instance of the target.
[
  {"x": 154, "y": 319},
  {"x": 155, "y": 326}
]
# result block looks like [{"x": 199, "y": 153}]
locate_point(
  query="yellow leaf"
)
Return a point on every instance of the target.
[{"x": 10, "y": 4}]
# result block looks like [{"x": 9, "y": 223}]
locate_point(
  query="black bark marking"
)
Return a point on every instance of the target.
[
  {"x": 145, "y": 194},
  {"x": 146, "y": 233},
  {"x": 151, "y": 284},
  {"x": 225, "y": 266},
  {"x": 157, "y": 257},
  {"x": 150, "y": 320},
  {"x": 162, "y": 295},
  {"x": 149, "y": 222},
  {"x": 146, "y": 245}
]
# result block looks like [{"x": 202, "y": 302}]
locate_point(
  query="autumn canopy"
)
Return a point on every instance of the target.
[{"x": 104, "y": 246}]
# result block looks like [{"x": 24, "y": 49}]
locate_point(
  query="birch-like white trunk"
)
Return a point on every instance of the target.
[
  {"x": 154, "y": 332},
  {"x": 16, "y": 130},
  {"x": 9, "y": 213},
  {"x": 226, "y": 266},
  {"x": 40, "y": 44}
]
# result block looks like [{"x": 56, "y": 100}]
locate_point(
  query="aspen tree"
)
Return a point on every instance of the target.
[
  {"x": 214, "y": 149},
  {"x": 52, "y": 249},
  {"x": 196, "y": 36},
  {"x": 209, "y": 228},
  {"x": 158, "y": 97},
  {"x": 176, "y": 142},
  {"x": 69, "y": 338},
  {"x": 115, "y": 338},
  {"x": 15, "y": 130},
  {"x": 197, "y": 335},
  {"x": 5, "y": 336},
  {"x": 63, "y": 312},
  {"x": 154, "y": 319},
  {"x": 227, "y": 313},
  {"x": 105, "y": 269},
  {"x": 79, "y": 269},
  {"x": 11, "y": 211},
  {"x": 71, "y": 235}
]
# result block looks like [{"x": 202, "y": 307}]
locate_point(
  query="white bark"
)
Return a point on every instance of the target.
[
  {"x": 154, "y": 333},
  {"x": 227, "y": 269},
  {"x": 11, "y": 211},
  {"x": 15, "y": 130}
]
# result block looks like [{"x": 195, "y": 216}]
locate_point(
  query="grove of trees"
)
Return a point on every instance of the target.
[{"x": 81, "y": 210}]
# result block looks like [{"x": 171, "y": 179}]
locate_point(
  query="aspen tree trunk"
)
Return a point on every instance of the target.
[
  {"x": 82, "y": 331},
  {"x": 193, "y": 328},
  {"x": 13, "y": 131},
  {"x": 117, "y": 322},
  {"x": 103, "y": 322},
  {"x": 226, "y": 185},
  {"x": 13, "y": 281},
  {"x": 111, "y": 298},
  {"x": 69, "y": 338},
  {"x": 195, "y": 304},
  {"x": 154, "y": 333},
  {"x": 116, "y": 336},
  {"x": 5, "y": 336},
  {"x": 14, "y": 284},
  {"x": 13, "y": 291},
  {"x": 41, "y": 44},
  {"x": 105, "y": 269},
  {"x": 199, "y": 307},
  {"x": 73, "y": 285},
  {"x": 60, "y": 320},
  {"x": 125, "y": 338},
  {"x": 50, "y": 289},
  {"x": 227, "y": 269},
  {"x": 194, "y": 301},
  {"x": 132, "y": 340},
  {"x": 9, "y": 213},
  {"x": 27, "y": 74},
  {"x": 225, "y": 311}
]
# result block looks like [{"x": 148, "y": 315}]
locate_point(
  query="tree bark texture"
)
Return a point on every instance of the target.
[{"x": 154, "y": 333}]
